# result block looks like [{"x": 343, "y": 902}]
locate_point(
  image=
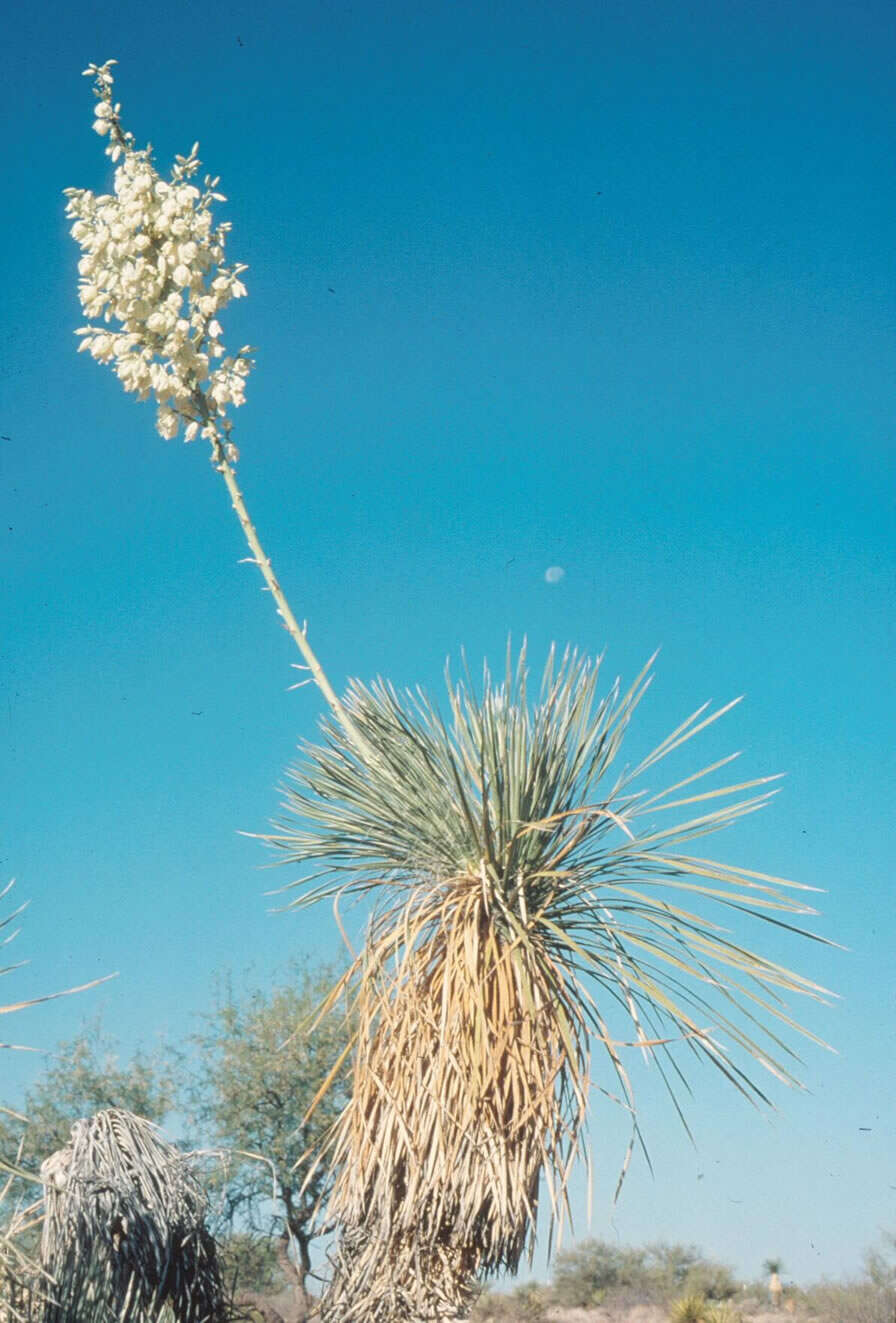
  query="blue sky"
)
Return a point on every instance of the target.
[{"x": 602, "y": 286}]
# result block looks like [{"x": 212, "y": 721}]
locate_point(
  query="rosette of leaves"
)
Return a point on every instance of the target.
[{"x": 526, "y": 893}]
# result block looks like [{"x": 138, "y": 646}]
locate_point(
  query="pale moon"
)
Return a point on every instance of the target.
[{"x": 554, "y": 573}]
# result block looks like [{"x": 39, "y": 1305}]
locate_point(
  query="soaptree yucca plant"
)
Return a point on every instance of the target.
[
  {"x": 525, "y": 897},
  {"x": 124, "y": 1236},
  {"x": 525, "y": 892}
]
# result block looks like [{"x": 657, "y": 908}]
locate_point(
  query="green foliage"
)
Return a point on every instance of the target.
[
  {"x": 524, "y": 1304},
  {"x": 526, "y": 793},
  {"x": 715, "y": 1281},
  {"x": 673, "y": 1266},
  {"x": 596, "y": 1272},
  {"x": 673, "y": 1269},
  {"x": 264, "y": 1058},
  {"x": 584, "y": 1274},
  {"x": 249, "y": 1263}
]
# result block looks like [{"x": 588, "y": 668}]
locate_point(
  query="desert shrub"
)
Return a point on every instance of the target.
[
  {"x": 714, "y": 1281},
  {"x": 584, "y": 1275},
  {"x": 596, "y": 1272},
  {"x": 670, "y": 1265},
  {"x": 752, "y": 1297},
  {"x": 850, "y": 1302},
  {"x": 672, "y": 1270},
  {"x": 880, "y": 1263},
  {"x": 524, "y": 1304},
  {"x": 249, "y": 1263}
]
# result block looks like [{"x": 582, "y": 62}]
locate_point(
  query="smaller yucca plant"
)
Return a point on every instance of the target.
[
  {"x": 519, "y": 906},
  {"x": 691, "y": 1308},
  {"x": 124, "y": 1234}
]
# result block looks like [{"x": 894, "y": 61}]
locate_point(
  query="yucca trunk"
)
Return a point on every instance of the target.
[{"x": 468, "y": 1085}]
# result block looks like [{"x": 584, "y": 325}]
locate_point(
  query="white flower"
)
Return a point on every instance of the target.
[
  {"x": 153, "y": 266},
  {"x": 168, "y": 423}
]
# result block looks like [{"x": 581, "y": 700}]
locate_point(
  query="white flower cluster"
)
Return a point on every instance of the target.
[{"x": 153, "y": 270}]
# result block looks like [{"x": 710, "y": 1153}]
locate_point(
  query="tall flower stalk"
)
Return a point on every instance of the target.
[{"x": 153, "y": 270}]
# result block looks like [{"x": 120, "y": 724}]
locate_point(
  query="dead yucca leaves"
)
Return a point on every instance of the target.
[
  {"x": 464, "y": 1076},
  {"x": 124, "y": 1235},
  {"x": 474, "y": 1086},
  {"x": 519, "y": 910},
  {"x": 20, "y": 1276}
]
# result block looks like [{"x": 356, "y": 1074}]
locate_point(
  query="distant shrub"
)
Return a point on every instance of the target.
[
  {"x": 584, "y": 1275},
  {"x": 713, "y": 1280},
  {"x": 596, "y": 1272},
  {"x": 880, "y": 1263},
  {"x": 670, "y": 1264},
  {"x": 850, "y": 1302},
  {"x": 524, "y": 1304},
  {"x": 249, "y": 1263}
]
